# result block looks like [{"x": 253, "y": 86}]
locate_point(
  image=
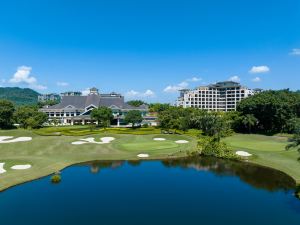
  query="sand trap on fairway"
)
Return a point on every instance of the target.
[
  {"x": 181, "y": 142},
  {"x": 21, "y": 167},
  {"x": 104, "y": 140},
  {"x": 159, "y": 139},
  {"x": 242, "y": 153},
  {"x": 2, "y": 170},
  {"x": 143, "y": 155},
  {"x": 3, "y": 139}
]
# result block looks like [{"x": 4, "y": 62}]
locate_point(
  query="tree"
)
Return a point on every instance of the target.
[
  {"x": 103, "y": 115},
  {"x": 29, "y": 116},
  {"x": 36, "y": 120},
  {"x": 272, "y": 109},
  {"x": 6, "y": 113},
  {"x": 295, "y": 142},
  {"x": 136, "y": 103},
  {"x": 249, "y": 121},
  {"x": 158, "y": 107},
  {"x": 133, "y": 117}
]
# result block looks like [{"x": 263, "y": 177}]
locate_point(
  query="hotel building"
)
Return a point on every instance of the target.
[{"x": 222, "y": 96}]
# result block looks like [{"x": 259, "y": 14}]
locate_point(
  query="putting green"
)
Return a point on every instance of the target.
[
  {"x": 148, "y": 146},
  {"x": 48, "y": 154}
]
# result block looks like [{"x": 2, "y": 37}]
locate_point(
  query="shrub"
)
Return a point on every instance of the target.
[
  {"x": 209, "y": 146},
  {"x": 56, "y": 178}
]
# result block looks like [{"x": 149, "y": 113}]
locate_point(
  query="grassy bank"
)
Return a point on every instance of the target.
[
  {"x": 51, "y": 153},
  {"x": 268, "y": 151}
]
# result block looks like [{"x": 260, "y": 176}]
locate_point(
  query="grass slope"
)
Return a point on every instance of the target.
[
  {"x": 48, "y": 154},
  {"x": 268, "y": 151}
]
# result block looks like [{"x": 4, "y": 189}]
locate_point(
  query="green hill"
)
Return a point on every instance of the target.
[{"x": 20, "y": 96}]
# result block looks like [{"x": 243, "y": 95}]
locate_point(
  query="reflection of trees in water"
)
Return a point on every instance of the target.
[
  {"x": 96, "y": 166},
  {"x": 257, "y": 176}
]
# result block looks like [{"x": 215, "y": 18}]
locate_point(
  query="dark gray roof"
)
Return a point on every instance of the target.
[{"x": 81, "y": 102}]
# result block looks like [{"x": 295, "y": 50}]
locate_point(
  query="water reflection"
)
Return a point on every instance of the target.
[{"x": 257, "y": 176}]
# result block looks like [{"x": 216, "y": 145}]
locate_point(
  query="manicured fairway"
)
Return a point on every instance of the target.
[
  {"x": 268, "y": 151},
  {"x": 48, "y": 154}
]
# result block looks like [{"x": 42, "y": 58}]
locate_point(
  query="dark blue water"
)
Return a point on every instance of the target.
[{"x": 195, "y": 191}]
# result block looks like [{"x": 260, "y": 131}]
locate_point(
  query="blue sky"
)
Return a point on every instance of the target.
[{"x": 148, "y": 49}]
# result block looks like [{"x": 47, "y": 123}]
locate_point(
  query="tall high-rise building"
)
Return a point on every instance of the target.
[{"x": 222, "y": 96}]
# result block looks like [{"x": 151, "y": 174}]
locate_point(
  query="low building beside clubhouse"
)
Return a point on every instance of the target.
[{"x": 76, "y": 109}]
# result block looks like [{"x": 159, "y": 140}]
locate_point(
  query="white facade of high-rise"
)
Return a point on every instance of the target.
[{"x": 222, "y": 96}]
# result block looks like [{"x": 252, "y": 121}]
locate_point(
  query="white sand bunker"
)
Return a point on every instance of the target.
[
  {"x": 143, "y": 155},
  {"x": 21, "y": 167},
  {"x": 159, "y": 139},
  {"x": 242, "y": 153},
  {"x": 2, "y": 170},
  {"x": 181, "y": 141},
  {"x": 104, "y": 140},
  {"x": 3, "y": 139}
]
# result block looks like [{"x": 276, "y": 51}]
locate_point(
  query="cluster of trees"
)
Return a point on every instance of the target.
[
  {"x": 25, "y": 116},
  {"x": 270, "y": 112},
  {"x": 104, "y": 116}
]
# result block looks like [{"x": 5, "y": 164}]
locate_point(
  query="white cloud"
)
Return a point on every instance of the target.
[
  {"x": 85, "y": 91},
  {"x": 256, "y": 79},
  {"x": 295, "y": 51},
  {"x": 62, "y": 84},
  {"x": 194, "y": 79},
  {"x": 175, "y": 88},
  {"x": 259, "y": 69},
  {"x": 136, "y": 94},
  {"x": 22, "y": 76},
  {"x": 235, "y": 79},
  {"x": 149, "y": 93}
]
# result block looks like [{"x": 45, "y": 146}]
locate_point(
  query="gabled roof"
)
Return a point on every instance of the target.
[{"x": 82, "y": 102}]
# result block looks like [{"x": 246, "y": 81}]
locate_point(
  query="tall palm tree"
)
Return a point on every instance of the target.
[{"x": 249, "y": 121}]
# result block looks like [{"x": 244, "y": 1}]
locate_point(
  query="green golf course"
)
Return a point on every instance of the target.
[
  {"x": 52, "y": 151},
  {"x": 48, "y": 154},
  {"x": 268, "y": 151}
]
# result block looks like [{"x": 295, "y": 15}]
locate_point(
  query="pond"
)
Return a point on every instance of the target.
[{"x": 186, "y": 191}]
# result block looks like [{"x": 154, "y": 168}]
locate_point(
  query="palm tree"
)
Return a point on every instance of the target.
[
  {"x": 295, "y": 142},
  {"x": 249, "y": 121}
]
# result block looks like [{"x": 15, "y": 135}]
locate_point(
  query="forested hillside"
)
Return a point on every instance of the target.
[{"x": 19, "y": 96}]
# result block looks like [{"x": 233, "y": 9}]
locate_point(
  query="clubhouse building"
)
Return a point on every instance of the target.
[{"x": 76, "y": 109}]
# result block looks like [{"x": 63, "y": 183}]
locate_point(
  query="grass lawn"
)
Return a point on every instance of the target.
[
  {"x": 268, "y": 151},
  {"x": 48, "y": 154}
]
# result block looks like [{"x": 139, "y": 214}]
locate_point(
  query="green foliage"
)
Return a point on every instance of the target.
[
  {"x": 29, "y": 116},
  {"x": 49, "y": 102},
  {"x": 56, "y": 178},
  {"x": 133, "y": 117},
  {"x": 6, "y": 113},
  {"x": 210, "y": 146},
  {"x": 136, "y": 103},
  {"x": 103, "y": 115},
  {"x": 272, "y": 109},
  {"x": 249, "y": 121},
  {"x": 158, "y": 107},
  {"x": 295, "y": 142},
  {"x": 19, "y": 96},
  {"x": 211, "y": 123}
]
